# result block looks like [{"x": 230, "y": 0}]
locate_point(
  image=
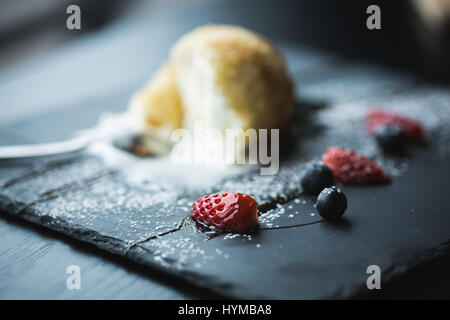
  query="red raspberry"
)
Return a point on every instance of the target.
[
  {"x": 350, "y": 167},
  {"x": 377, "y": 117},
  {"x": 229, "y": 211}
]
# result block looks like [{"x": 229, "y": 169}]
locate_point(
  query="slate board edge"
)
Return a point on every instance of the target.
[
  {"x": 136, "y": 254},
  {"x": 118, "y": 247}
]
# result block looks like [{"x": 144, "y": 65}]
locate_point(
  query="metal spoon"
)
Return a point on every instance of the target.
[{"x": 45, "y": 149}]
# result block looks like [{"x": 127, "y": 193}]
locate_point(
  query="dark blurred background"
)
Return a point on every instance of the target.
[
  {"x": 414, "y": 34},
  {"x": 44, "y": 66}
]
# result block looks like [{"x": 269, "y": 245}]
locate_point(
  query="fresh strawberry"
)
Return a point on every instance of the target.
[
  {"x": 229, "y": 211},
  {"x": 350, "y": 167},
  {"x": 377, "y": 118}
]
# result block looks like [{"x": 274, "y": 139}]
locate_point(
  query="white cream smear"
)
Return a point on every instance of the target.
[{"x": 158, "y": 169}]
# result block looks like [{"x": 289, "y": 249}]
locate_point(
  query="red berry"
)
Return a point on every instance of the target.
[
  {"x": 350, "y": 167},
  {"x": 229, "y": 211},
  {"x": 377, "y": 118}
]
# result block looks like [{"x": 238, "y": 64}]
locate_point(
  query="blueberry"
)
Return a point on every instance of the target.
[
  {"x": 316, "y": 177},
  {"x": 331, "y": 203},
  {"x": 391, "y": 138}
]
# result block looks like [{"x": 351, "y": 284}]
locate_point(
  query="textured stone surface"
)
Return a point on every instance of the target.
[{"x": 384, "y": 225}]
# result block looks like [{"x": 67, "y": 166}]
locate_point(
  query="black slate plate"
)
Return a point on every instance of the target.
[{"x": 293, "y": 255}]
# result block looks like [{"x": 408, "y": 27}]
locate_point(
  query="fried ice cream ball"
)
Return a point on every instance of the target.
[{"x": 223, "y": 76}]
